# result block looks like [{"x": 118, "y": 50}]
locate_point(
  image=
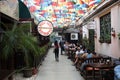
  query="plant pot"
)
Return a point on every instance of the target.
[
  {"x": 27, "y": 72},
  {"x": 101, "y": 41},
  {"x": 34, "y": 71},
  {"x": 113, "y": 34},
  {"x": 108, "y": 41},
  {"x": 95, "y": 36}
]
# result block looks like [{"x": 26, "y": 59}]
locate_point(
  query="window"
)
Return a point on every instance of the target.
[{"x": 105, "y": 28}]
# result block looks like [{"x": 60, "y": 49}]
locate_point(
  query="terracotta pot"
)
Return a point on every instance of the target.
[
  {"x": 27, "y": 72},
  {"x": 113, "y": 34},
  {"x": 101, "y": 41},
  {"x": 95, "y": 36},
  {"x": 34, "y": 71}
]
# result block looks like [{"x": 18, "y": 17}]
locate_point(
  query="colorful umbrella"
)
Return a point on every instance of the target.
[{"x": 60, "y": 12}]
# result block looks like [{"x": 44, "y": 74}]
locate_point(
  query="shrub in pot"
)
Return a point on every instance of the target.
[{"x": 18, "y": 39}]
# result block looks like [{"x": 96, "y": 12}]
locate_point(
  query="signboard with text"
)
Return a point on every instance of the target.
[{"x": 45, "y": 28}]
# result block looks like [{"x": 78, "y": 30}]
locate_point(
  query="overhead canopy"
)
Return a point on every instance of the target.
[
  {"x": 60, "y": 12},
  {"x": 23, "y": 11}
]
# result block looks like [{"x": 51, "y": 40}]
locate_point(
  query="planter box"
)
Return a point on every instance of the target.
[
  {"x": 108, "y": 41},
  {"x": 101, "y": 41},
  {"x": 27, "y": 72}
]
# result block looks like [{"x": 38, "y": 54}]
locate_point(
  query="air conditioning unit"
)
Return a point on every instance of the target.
[{"x": 74, "y": 36}]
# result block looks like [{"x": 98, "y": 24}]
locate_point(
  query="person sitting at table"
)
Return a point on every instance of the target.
[
  {"x": 87, "y": 55},
  {"x": 94, "y": 54},
  {"x": 117, "y": 72},
  {"x": 78, "y": 53}
]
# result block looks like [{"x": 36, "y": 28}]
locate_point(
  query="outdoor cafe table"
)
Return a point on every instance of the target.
[{"x": 101, "y": 67}]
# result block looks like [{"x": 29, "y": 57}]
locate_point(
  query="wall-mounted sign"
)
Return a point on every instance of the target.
[
  {"x": 45, "y": 28},
  {"x": 91, "y": 24}
]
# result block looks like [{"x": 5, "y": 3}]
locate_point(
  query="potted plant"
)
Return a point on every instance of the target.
[
  {"x": 101, "y": 40},
  {"x": 119, "y": 35},
  {"x": 85, "y": 42},
  {"x": 108, "y": 38},
  {"x": 17, "y": 39}
]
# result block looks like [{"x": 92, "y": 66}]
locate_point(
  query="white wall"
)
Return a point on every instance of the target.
[
  {"x": 85, "y": 31},
  {"x": 112, "y": 49},
  {"x": 10, "y": 8}
]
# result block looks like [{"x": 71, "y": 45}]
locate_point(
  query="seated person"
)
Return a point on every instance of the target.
[
  {"x": 117, "y": 73},
  {"x": 78, "y": 53},
  {"x": 87, "y": 55}
]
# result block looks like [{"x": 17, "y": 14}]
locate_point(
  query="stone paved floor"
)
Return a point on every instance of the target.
[
  {"x": 52, "y": 70},
  {"x": 62, "y": 70}
]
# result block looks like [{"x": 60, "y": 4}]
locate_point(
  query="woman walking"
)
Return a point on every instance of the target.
[{"x": 56, "y": 50}]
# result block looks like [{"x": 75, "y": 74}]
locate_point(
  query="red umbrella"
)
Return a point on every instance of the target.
[
  {"x": 80, "y": 11},
  {"x": 32, "y": 8},
  {"x": 62, "y": 0},
  {"x": 54, "y": 16},
  {"x": 70, "y": 5},
  {"x": 54, "y": 4}
]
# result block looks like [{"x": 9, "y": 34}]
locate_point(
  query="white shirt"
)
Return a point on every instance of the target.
[{"x": 79, "y": 52}]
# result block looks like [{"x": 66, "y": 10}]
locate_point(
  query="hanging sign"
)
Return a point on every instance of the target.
[{"x": 45, "y": 28}]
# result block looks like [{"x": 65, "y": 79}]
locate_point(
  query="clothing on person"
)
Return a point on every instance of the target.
[
  {"x": 66, "y": 47},
  {"x": 117, "y": 73},
  {"x": 87, "y": 56},
  {"x": 79, "y": 52},
  {"x": 61, "y": 46},
  {"x": 56, "y": 50}
]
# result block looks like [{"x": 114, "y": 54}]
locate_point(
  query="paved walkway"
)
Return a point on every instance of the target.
[
  {"x": 62, "y": 70},
  {"x": 52, "y": 70}
]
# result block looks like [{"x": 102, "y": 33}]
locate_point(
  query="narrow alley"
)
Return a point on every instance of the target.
[{"x": 62, "y": 70}]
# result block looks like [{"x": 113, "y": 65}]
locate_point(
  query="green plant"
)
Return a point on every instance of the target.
[
  {"x": 119, "y": 35},
  {"x": 107, "y": 38},
  {"x": 85, "y": 42},
  {"x": 101, "y": 40},
  {"x": 17, "y": 40}
]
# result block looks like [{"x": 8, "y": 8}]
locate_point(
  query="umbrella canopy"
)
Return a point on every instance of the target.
[{"x": 60, "y": 12}]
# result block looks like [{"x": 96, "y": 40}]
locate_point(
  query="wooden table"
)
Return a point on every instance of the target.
[{"x": 101, "y": 67}]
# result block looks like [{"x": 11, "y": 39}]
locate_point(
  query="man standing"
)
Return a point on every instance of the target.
[{"x": 61, "y": 43}]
